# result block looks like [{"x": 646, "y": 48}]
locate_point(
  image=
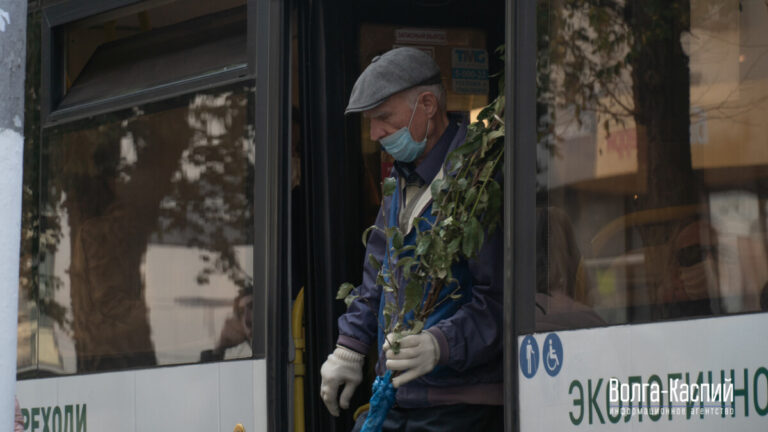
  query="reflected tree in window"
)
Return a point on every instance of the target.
[
  {"x": 616, "y": 62},
  {"x": 114, "y": 185},
  {"x": 625, "y": 59}
]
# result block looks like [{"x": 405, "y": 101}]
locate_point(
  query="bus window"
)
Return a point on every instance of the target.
[
  {"x": 652, "y": 162},
  {"x": 146, "y": 235}
]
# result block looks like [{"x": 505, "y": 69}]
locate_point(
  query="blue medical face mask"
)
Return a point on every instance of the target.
[{"x": 401, "y": 144}]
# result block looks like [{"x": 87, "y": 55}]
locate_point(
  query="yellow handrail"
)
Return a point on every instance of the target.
[{"x": 299, "y": 369}]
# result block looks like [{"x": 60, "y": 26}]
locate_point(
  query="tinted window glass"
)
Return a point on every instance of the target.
[
  {"x": 146, "y": 235},
  {"x": 652, "y": 160},
  {"x": 149, "y": 44}
]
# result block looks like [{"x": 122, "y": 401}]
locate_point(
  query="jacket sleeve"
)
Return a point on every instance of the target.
[
  {"x": 358, "y": 327},
  {"x": 473, "y": 335}
]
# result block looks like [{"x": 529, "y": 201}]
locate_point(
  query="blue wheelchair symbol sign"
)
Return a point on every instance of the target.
[
  {"x": 552, "y": 354},
  {"x": 529, "y": 357}
]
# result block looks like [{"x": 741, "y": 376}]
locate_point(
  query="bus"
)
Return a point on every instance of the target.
[{"x": 194, "y": 196}]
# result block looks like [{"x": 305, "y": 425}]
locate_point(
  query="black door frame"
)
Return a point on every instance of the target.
[{"x": 520, "y": 194}]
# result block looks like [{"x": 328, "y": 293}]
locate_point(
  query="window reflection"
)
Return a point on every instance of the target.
[
  {"x": 652, "y": 149},
  {"x": 692, "y": 286},
  {"x": 560, "y": 290},
  {"x": 234, "y": 341},
  {"x": 147, "y": 231},
  {"x": 148, "y": 44}
]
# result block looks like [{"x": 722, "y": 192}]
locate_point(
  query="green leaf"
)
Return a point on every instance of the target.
[
  {"x": 417, "y": 326},
  {"x": 499, "y": 104},
  {"x": 453, "y": 246},
  {"x": 390, "y": 310},
  {"x": 446, "y": 224},
  {"x": 495, "y": 200},
  {"x": 455, "y": 163},
  {"x": 483, "y": 199},
  {"x": 388, "y": 186},
  {"x": 473, "y": 238},
  {"x": 437, "y": 186},
  {"x": 404, "y": 261},
  {"x": 391, "y": 232},
  {"x": 470, "y": 146},
  {"x": 449, "y": 208},
  {"x": 366, "y": 232},
  {"x": 471, "y": 196},
  {"x": 420, "y": 219},
  {"x": 397, "y": 240},
  {"x": 349, "y": 299},
  {"x": 485, "y": 113},
  {"x": 344, "y": 290},
  {"x": 413, "y": 295},
  {"x": 422, "y": 244},
  {"x": 376, "y": 264},
  {"x": 487, "y": 171},
  {"x": 496, "y": 134}
]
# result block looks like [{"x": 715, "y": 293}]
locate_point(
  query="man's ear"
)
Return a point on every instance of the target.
[{"x": 430, "y": 104}]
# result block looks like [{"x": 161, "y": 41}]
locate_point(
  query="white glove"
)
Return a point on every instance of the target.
[
  {"x": 343, "y": 366},
  {"x": 418, "y": 356}
]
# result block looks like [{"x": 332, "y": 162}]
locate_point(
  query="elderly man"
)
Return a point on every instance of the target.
[{"x": 450, "y": 374}]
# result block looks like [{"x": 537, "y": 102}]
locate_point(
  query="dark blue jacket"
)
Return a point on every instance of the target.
[{"x": 469, "y": 331}]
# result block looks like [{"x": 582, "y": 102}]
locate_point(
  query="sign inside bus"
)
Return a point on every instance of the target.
[{"x": 702, "y": 375}]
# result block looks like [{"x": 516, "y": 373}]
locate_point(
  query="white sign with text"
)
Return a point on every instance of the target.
[{"x": 697, "y": 375}]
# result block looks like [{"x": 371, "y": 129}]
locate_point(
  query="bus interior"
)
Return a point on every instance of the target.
[{"x": 353, "y": 166}]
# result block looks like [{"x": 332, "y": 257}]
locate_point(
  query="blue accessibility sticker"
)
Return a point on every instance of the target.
[
  {"x": 529, "y": 357},
  {"x": 552, "y": 354}
]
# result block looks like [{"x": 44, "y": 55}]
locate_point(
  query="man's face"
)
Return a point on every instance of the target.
[{"x": 394, "y": 114}]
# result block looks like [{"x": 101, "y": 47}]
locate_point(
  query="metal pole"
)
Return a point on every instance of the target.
[{"x": 13, "y": 36}]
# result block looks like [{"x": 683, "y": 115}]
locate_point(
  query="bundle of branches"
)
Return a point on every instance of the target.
[{"x": 466, "y": 206}]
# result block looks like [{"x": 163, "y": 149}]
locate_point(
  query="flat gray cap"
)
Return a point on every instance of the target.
[{"x": 390, "y": 73}]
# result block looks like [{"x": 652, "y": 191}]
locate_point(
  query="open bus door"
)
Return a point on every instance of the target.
[
  {"x": 343, "y": 168},
  {"x": 636, "y": 204}
]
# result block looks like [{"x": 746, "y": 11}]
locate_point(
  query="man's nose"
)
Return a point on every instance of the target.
[{"x": 377, "y": 130}]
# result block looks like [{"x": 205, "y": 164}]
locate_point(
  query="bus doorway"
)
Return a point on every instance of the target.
[{"x": 343, "y": 167}]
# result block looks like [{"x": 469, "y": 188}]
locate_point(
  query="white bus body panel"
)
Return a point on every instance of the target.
[
  {"x": 567, "y": 387},
  {"x": 192, "y": 398}
]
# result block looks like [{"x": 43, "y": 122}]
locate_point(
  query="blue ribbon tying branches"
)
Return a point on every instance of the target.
[{"x": 382, "y": 400}]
